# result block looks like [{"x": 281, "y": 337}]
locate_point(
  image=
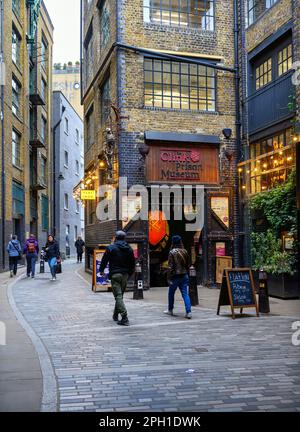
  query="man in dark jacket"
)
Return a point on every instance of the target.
[
  {"x": 120, "y": 258},
  {"x": 31, "y": 251},
  {"x": 79, "y": 244}
]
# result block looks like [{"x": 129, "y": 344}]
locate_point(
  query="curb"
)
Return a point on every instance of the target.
[{"x": 50, "y": 394}]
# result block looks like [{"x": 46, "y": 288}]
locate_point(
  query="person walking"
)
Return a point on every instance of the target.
[
  {"x": 120, "y": 258},
  {"x": 15, "y": 254},
  {"x": 31, "y": 251},
  {"x": 52, "y": 255},
  {"x": 178, "y": 264},
  {"x": 79, "y": 244}
]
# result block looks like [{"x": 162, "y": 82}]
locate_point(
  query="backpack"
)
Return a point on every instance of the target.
[{"x": 31, "y": 247}]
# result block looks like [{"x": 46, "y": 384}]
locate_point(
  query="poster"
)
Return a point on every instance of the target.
[
  {"x": 220, "y": 249},
  {"x": 222, "y": 264},
  {"x": 220, "y": 206},
  {"x": 98, "y": 280}
]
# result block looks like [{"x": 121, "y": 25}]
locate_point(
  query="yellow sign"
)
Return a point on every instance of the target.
[{"x": 88, "y": 195}]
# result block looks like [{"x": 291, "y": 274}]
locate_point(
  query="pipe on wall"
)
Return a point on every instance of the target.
[{"x": 3, "y": 175}]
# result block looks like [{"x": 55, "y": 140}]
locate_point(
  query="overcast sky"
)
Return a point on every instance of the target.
[{"x": 65, "y": 15}]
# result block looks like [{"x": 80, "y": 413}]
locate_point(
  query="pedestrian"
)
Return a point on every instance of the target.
[
  {"x": 52, "y": 255},
  {"x": 179, "y": 275},
  {"x": 15, "y": 254},
  {"x": 31, "y": 251},
  {"x": 120, "y": 258},
  {"x": 79, "y": 244}
]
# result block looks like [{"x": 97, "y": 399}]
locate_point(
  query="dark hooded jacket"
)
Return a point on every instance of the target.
[{"x": 120, "y": 258}]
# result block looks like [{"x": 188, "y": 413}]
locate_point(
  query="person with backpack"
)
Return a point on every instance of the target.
[
  {"x": 178, "y": 264},
  {"x": 15, "y": 254},
  {"x": 31, "y": 250},
  {"x": 121, "y": 260},
  {"x": 52, "y": 255}
]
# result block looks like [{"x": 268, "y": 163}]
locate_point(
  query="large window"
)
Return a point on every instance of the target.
[
  {"x": 179, "y": 85},
  {"x": 285, "y": 60},
  {"x": 256, "y": 8},
  {"x": 16, "y": 93},
  {"x": 16, "y": 47},
  {"x": 105, "y": 100},
  {"x": 263, "y": 74},
  {"x": 197, "y": 14},
  {"x": 104, "y": 24},
  {"x": 16, "y": 148}
]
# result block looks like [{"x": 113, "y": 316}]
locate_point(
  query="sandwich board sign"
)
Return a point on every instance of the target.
[
  {"x": 237, "y": 291},
  {"x": 100, "y": 283}
]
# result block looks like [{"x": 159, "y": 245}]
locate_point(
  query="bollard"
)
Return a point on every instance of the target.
[
  {"x": 264, "y": 304},
  {"x": 42, "y": 262},
  {"x": 138, "y": 293},
  {"x": 193, "y": 291}
]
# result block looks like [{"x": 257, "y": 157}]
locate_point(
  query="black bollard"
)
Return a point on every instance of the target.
[
  {"x": 42, "y": 266},
  {"x": 264, "y": 304},
  {"x": 193, "y": 291},
  {"x": 138, "y": 293}
]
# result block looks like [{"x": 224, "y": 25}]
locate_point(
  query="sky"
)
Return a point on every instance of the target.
[{"x": 65, "y": 16}]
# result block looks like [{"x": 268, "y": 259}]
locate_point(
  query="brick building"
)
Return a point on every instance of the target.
[
  {"x": 162, "y": 78},
  {"x": 67, "y": 80},
  {"x": 25, "y": 128}
]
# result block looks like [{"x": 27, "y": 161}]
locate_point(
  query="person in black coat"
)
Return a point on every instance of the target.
[
  {"x": 79, "y": 244},
  {"x": 52, "y": 254}
]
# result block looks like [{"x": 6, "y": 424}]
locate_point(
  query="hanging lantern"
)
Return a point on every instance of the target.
[{"x": 158, "y": 227}]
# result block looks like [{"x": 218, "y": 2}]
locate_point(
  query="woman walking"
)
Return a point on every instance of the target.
[
  {"x": 179, "y": 275},
  {"x": 15, "y": 253},
  {"x": 52, "y": 254}
]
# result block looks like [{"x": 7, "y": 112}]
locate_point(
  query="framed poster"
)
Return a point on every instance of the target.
[
  {"x": 220, "y": 206},
  {"x": 222, "y": 263},
  {"x": 100, "y": 283}
]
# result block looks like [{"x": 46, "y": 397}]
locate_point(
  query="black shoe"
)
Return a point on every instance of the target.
[
  {"x": 124, "y": 322},
  {"x": 116, "y": 317}
]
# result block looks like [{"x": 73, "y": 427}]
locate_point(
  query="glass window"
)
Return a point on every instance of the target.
[
  {"x": 16, "y": 148},
  {"x": 255, "y": 8},
  {"x": 285, "y": 60},
  {"x": 104, "y": 24},
  {"x": 77, "y": 206},
  {"x": 44, "y": 130},
  {"x": 16, "y": 47},
  {"x": 105, "y": 100},
  {"x": 197, "y": 14},
  {"x": 45, "y": 213},
  {"x": 44, "y": 53},
  {"x": 66, "y": 159},
  {"x": 66, "y": 126},
  {"x": 75, "y": 232},
  {"x": 44, "y": 90},
  {"x": 263, "y": 74},
  {"x": 16, "y": 93},
  {"x": 179, "y": 85},
  {"x": 90, "y": 134},
  {"x": 77, "y": 136},
  {"x": 43, "y": 170},
  {"x": 77, "y": 168},
  {"x": 66, "y": 201}
]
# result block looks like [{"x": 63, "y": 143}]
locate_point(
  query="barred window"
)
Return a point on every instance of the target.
[
  {"x": 263, "y": 74},
  {"x": 197, "y": 14},
  {"x": 285, "y": 60},
  {"x": 184, "y": 86},
  {"x": 16, "y": 148}
]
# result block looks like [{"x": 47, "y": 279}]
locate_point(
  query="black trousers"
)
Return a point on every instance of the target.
[
  {"x": 13, "y": 264},
  {"x": 79, "y": 256}
]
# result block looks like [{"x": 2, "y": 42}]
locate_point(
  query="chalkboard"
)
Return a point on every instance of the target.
[{"x": 238, "y": 290}]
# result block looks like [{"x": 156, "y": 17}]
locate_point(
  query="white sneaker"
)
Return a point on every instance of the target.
[
  {"x": 189, "y": 316},
  {"x": 168, "y": 312}
]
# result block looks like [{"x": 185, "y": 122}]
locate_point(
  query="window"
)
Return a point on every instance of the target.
[
  {"x": 75, "y": 232},
  {"x": 257, "y": 7},
  {"x": 90, "y": 138},
  {"x": 77, "y": 206},
  {"x": 66, "y": 159},
  {"x": 66, "y": 126},
  {"x": 179, "y": 85},
  {"x": 67, "y": 235},
  {"x": 16, "y": 148},
  {"x": 197, "y": 14},
  {"x": 88, "y": 51},
  {"x": 263, "y": 74},
  {"x": 16, "y": 92},
  {"x": 45, "y": 213},
  {"x": 43, "y": 170},
  {"x": 77, "y": 136},
  {"x": 44, "y": 130},
  {"x": 18, "y": 199},
  {"x": 16, "y": 47},
  {"x": 285, "y": 60},
  {"x": 77, "y": 168},
  {"x": 44, "y": 52},
  {"x": 105, "y": 100},
  {"x": 66, "y": 202},
  {"x": 104, "y": 24},
  {"x": 44, "y": 90},
  {"x": 16, "y": 7}
]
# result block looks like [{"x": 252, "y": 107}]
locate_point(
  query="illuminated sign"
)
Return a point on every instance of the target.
[{"x": 88, "y": 195}]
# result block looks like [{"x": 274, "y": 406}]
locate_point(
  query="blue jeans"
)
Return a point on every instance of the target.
[
  {"x": 52, "y": 264},
  {"x": 181, "y": 282},
  {"x": 31, "y": 262}
]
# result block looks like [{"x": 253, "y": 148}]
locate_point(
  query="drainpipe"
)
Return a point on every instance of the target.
[
  {"x": 237, "y": 242},
  {"x": 3, "y": 179},
  {"x": 119, "y": 98}
]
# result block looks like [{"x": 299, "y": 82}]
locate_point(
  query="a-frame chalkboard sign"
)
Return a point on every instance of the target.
[{"x": 237, "y": 291}]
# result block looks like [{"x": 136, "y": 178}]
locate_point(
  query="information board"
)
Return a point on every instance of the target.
[
  {"x": 237, "y": 290},
  {"x": 100, "y": 283}
]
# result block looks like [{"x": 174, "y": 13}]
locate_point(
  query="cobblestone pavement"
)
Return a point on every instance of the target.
[{"x": 160, "y": 363}]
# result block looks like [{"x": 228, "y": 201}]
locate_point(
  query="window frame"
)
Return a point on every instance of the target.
[
  {"x": 16, "y": 95},
  {"x": 17, "y": 41},
  {"x": 16, "y": 148}
]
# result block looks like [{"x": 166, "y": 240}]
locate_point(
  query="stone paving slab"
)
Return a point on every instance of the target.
[{"x": 160, "y": 362}]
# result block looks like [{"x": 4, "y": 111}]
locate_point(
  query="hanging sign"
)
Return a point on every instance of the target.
[
  {"x": 87, "y": 195},
  {"x": 237, "y": 291}
]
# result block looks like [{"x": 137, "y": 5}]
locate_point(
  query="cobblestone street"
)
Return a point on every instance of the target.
[{"x": 159, "y": 363}]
